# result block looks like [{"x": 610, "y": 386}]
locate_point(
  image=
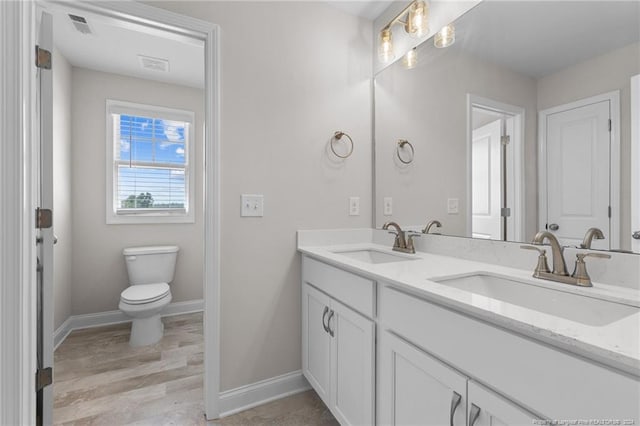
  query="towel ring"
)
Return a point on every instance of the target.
[
  {"x": 337, "y": 136},
  {"x": 401, "y": 144}
]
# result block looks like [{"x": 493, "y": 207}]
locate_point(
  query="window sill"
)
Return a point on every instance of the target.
[{"x": 149, "y": 218}]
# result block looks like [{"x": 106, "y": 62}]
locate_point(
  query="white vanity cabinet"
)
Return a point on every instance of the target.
[
  {"x": 338, "y": 343},
  {"x": 487, "y": 408}
]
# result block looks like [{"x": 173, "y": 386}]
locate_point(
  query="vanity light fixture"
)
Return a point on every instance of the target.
[
  {"x": 410, "y": 59},
  {"x": 445, "y": 37},
  {"x": 416, "y": 24}
]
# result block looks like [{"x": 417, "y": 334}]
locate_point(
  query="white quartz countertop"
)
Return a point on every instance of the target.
[{"x": 616, "y": 344}]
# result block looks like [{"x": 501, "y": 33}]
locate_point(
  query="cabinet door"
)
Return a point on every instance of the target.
[
  {"x": 316, "y": 342},
  {"x": 352, "y": 361},
  {"x": 487, "y": 408},
  {"x": 417, "y": 389}
]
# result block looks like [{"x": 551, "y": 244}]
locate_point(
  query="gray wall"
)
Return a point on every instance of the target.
[
  {"x": 606, "y": 73},
  {"x": 428, "y": 106},
  {"x": 99, "y": 272},
  {"x": 292, "y": 74},
  {"x": 63, "y": 216}
]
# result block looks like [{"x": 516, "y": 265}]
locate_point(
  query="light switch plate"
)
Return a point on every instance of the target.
[
  {"x": 354, "y": 206},
  {"x": 452, "y": 206},
  {"x": 387, "y": 206},
  {"x": 252, "y": 205}
]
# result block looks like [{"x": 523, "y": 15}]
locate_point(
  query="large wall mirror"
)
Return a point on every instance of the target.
[{"x": 522, "y": 124}]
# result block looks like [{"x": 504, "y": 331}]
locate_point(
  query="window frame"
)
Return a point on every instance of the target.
[{"x": 113, "y": 216}]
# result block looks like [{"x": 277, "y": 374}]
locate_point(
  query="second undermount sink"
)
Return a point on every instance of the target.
[
  {"x": 574, "y": 307},
  {"x": 373, "y": 256}
]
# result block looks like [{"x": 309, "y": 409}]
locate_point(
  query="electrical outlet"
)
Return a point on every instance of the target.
[
  {"x": 388, "y": 206},
  {"x": 354, "y": 206},
  {"x": 252, "y": 205},
  {"x": 452, "y": 206}
]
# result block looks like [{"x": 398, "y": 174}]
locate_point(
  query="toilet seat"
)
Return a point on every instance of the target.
[{"x": 144, "y": 293}]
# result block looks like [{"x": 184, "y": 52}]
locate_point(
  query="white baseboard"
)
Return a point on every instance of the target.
[
  {"x": 78, "y": 322},
  {"x": 249, "y": 396}
]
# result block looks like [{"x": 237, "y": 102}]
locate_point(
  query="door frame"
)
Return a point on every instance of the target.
[
  {"x": 18, "y": 189},
  {"x": 635, "y": 159},
  {"x": 614, "y": 158},
  {"x": 518, "y": 159}
]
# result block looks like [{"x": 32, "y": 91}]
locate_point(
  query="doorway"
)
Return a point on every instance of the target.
[
  {"x": 495, "y": 170},
  {"x": 579, "y": 170},
  {"x": 156, "y": 20}
]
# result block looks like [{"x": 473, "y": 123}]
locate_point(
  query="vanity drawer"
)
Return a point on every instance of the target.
[
  {"x": 547, "y": 381},
  {"x": 350, "y": 289}
]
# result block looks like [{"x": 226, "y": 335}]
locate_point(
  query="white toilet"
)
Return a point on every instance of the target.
[{"x": 150, "y": 271}]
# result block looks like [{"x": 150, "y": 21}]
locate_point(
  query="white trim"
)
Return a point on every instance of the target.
[
  {"x": 17, "y": 245},
  {"x": 249, "y": 396},
  {"x": 614, "y": 186},
  {"x": 99, "y": 319},
  {"x": 518, "y": 113},
  {"x": 111, "y": 199},
  {"x": 635, "y": 160}
]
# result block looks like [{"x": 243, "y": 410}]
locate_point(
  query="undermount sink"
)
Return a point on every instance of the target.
[
  {"x": 373, "y": 256},
  {"x": 574, "y": 307}
]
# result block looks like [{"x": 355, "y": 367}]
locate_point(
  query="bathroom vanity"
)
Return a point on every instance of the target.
[{"x": 391, "y": 338}]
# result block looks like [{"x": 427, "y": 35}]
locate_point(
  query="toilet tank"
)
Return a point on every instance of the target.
[{"x": 151, "y": 264}]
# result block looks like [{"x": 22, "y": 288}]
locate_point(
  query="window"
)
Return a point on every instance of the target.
[{"x": 150, "y": 158}]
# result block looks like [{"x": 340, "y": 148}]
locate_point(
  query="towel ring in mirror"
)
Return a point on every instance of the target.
[
  {"x": 338, "y": 136},
  {"x": 401, "y": 145}
]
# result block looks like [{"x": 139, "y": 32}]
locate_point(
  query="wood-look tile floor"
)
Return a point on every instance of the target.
[{"x": 100, "y": 380}]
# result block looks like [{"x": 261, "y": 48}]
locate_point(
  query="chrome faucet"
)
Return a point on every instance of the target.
[
  {"x": 401, "y": 243},
  {"x": 592, "y": 234},
  {"x": 579, "y": 277},
  {"x": 559, "y": 267},
  {"x": 430, "y": 225}
]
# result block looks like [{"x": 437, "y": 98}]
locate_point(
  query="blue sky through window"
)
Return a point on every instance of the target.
[{"x": 152, "y": 159}]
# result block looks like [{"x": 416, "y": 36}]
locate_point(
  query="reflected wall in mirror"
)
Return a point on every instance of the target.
[{"x": 522, "y": 124}]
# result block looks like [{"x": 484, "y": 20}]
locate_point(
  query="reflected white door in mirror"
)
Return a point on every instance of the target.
[
  {"x": 635, "y": 162},
  {"x": 580, "y": 169}
]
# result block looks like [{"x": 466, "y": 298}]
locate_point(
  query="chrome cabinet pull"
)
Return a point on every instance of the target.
[
  {"x": 324, "y": 315},
  {"x": 554, "y": 226},
  {"x": 636, "y": 235},
  {"x": 455, "y": 401},
  {"x": 473, "y": 415},
  {"x": 329, "y": 323}
]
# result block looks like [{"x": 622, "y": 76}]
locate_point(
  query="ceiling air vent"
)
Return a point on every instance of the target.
[
  {"x": 80, "y": 24},
  {"x": 154, "y": 64}
]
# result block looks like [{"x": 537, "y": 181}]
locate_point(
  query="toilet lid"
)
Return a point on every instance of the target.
[{"x": 144, "y": 293}]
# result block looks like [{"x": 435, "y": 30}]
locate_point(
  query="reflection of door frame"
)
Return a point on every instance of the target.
[
  {"x": 517, "y": 158},
  {"x": 635, "y": 160},
  {"x": 614, "y": 158},
  {"x": 18, "y": 165}
]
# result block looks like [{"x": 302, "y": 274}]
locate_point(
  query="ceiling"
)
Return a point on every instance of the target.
[
  {"x": 114, "y": 46},
  {"x": 369, "y": 9},
  {"x": 540, "y": 38}
]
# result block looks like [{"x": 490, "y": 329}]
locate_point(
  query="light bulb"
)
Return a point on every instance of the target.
[
  {"x": 410, "y": 60},
  {"x": 385, "y": 50},
  {"x": 418, "y": 19},
  {"x": 445, "y": 37}
]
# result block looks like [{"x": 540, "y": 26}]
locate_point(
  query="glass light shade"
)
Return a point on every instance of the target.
[
  {"x": 385, "y": 50},
  {"x": 445, "y": 37},
  {"x": 410, "y": 60},
  {"x": 418, "y": 19}
]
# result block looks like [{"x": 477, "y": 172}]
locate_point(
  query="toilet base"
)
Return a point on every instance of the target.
[{"x": 146, "y": 331}]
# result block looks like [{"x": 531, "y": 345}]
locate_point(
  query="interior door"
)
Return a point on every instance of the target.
[
  {"x": 45, "y": 238},
  {"x": 635, "y": 163},
  {"x": 578, "y": 172},
  {"x": 486, "y": 174}
]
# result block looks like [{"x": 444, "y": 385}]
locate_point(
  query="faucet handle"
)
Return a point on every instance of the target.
[
  {"x": 543, "y": 265},
  {"x": 580, "y": 272}
]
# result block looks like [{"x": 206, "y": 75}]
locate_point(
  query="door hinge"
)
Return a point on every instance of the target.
[
  {"x": 505, "y": 139},
  {"x": 43, "y": 58},
  {"x": 609, "y": 211},
  {"x": 44, "y": 218},
  {"x": 44, "y": 377},
  {"x": 609, "y": 125},
  {"x": 505, "y": 212}
]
